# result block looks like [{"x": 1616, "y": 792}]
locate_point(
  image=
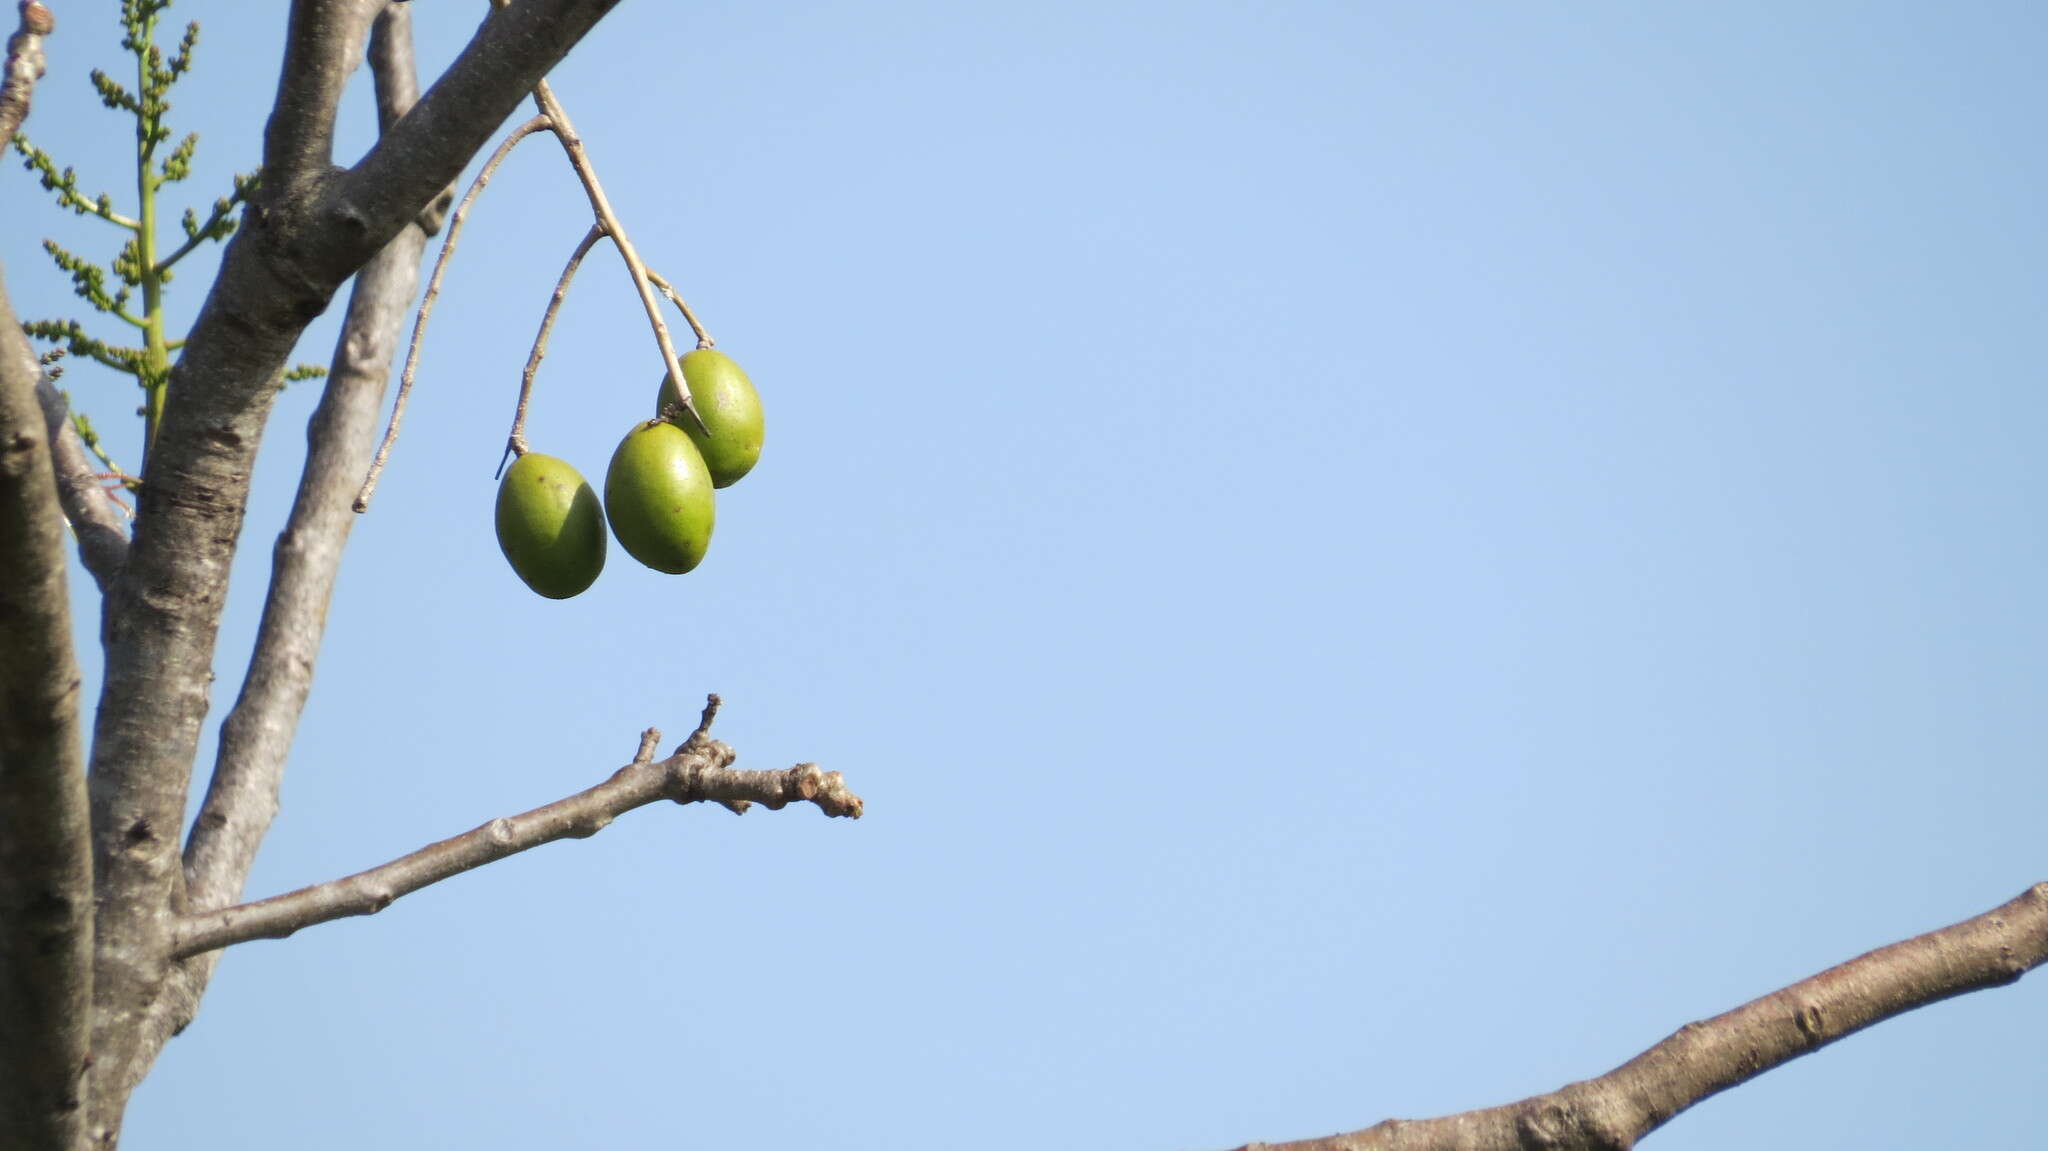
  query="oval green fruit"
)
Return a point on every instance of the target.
[
  {"x": 657, "y": 494},
  {"x": 730, "y": 408},
  {"x": 550, "y": 526}
]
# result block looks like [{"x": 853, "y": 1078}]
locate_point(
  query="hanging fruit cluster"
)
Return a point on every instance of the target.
[{"x": 657, "y": 491}]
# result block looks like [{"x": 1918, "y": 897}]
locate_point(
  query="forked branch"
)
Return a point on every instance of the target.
[
  {"x": 700, "y": 771},
  {"x": 1703, "y": 1059}
]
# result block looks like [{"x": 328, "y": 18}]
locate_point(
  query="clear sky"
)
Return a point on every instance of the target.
[{"x": 1368, "y": 559}]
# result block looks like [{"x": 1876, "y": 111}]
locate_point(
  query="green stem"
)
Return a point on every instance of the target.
[{"x": 156, "y": 365}]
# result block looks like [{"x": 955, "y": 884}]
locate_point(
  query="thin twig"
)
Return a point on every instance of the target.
[
  {"x": 649, "y": 739},
  {"x": 544, "y": 98},
  {"x": 701, "y": 739},
  {"x": 702, "y": 772},
  {"x": 419, "y": 327},
  {"x": 704, "y": 339},
  {"x": 702, "y": 735},
  {"x": 515, "y": 444}
]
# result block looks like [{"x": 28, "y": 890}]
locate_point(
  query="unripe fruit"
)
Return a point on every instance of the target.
[
  {"x": 657, "y": 494},
  {"x": 549, "y": 526},
  {"x": 730, "y": 408}
]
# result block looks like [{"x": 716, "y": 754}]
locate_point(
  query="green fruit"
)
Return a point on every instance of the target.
[
  {"x": 730, "y": 408},
  {"x": 657, "y": 494},
  {"x": 550, "y": 526}
]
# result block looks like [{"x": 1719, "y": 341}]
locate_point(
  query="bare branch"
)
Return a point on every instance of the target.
[
  {"x": 398, "y": 89},
  {"x": 419, "y": 325},
  {"x": 1702, "y": 1059},
  {"x": 24, "y": 67},
  {"x": 256, "y": 738},
  {"x": 699, "y": 772},
  {"x": 321, "y": 48},
  {"x": 428, "y": 148},
  {"x": 45, "y": 861},
  {"x": 95, "y": 514}
]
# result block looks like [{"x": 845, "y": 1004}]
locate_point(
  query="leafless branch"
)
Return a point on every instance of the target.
[
  {"x": 23, "y": 68},
  {"x": 257, "y": 734},
  {"x": 1702, "y": 1059},
  {"x": 699, "y": 771},
  {"x": 95, "y": 514},
  {"x": 427, "y": 149},
  {"x": 516, "y": 443},
  {"x": 321, "y": 47},
  {"x": 419, "y": 324},
  {"x": 45, "y": 864}
]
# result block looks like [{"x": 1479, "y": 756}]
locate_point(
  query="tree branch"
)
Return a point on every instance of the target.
[
  {"x": 45, "y": 863},
  {"x": 698, "y": 772},
  {"x": 24, "y": 67},
  {"x": 299, "y": 241},
  {"x": 1703, "y": 1059},
  {"x": 256, "y": 738},
  {"x": 320, "y": 48},
  {"x": 427, "y": 149},
  {"x": 95, "y": 518}
]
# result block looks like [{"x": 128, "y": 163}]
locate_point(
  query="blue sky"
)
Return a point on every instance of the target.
[{"x": 1367, "y": 559}]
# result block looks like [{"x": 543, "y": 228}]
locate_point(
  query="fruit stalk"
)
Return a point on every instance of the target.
[
  {"x": 515, "y": 443},
  {"x": 544, "y": 99}
]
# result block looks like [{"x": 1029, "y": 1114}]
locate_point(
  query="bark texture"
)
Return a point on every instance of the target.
[
  {"x": 23, "y": 67},
  {"x": 45, "y": 870},
  {"x": 256, "y": 738}
]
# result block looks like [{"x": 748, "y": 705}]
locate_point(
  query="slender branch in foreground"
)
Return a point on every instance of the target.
[
  {"x": 23, "y": 68},
  {"x": 1705, "y": 1058},
  {"x": 419, "y": 324},
  {"x": 700, "y": 771},
  {"x": 95, "y": 513},
  {"x": 516, "y": 443},
  {"x": 46, "y": 907}
]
